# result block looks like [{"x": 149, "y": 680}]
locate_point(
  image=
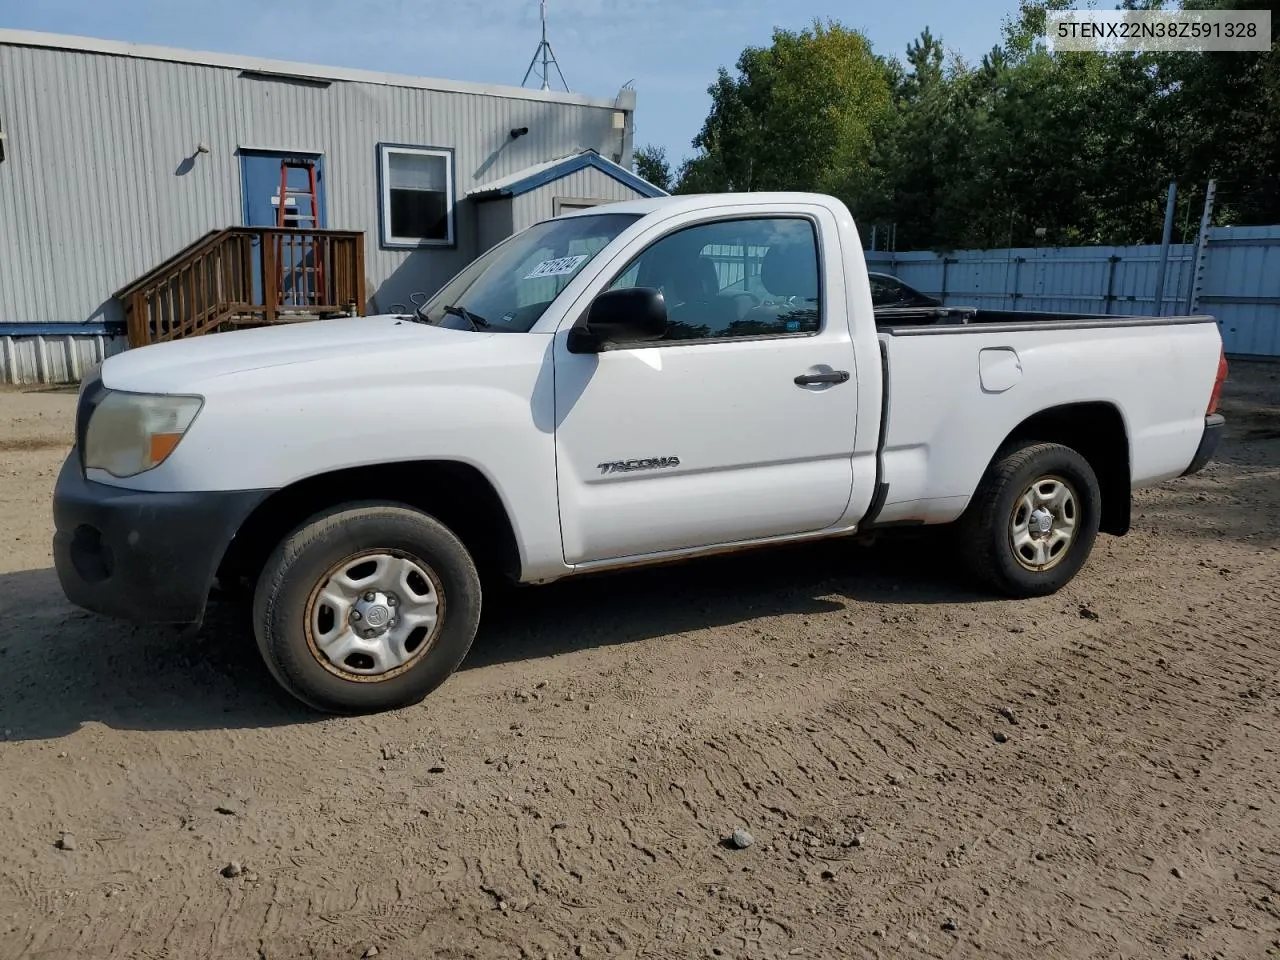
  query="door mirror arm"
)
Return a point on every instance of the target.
[{"x": 633, "y": 314}]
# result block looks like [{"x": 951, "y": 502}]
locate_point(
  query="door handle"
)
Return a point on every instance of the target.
[{"x": 835, "y": 376}]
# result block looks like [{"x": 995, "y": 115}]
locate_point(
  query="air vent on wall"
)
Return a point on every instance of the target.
[{"x": 293, "y": 78}]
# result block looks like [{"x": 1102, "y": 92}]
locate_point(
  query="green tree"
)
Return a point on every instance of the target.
[
  {"x": 924, "y": 154},
  {"x": 651, "y": 164},
  {"x": 799, "y": 114},
  {"x": 951, "y": 155},
  {"x": 1221, "y": 119}
]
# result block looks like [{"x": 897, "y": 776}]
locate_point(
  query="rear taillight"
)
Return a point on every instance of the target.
[{"x": 1217, "y": 384}]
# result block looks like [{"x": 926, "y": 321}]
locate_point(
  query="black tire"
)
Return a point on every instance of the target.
[
  {"x": 304, "y": 559},
  {"x": 985, "y": 529}
]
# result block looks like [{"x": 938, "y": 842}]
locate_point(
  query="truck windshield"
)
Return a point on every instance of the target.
[{"x": 508, "y": 288}]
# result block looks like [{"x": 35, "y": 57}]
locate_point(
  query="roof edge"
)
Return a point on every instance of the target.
[
  {"x": 562, "y": 168},
  {"x": 290, "y": 68}
]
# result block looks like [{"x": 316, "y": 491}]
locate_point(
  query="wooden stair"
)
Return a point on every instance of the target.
[{"x": 247, "y": 276}]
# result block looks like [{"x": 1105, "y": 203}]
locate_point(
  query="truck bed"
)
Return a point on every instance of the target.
[{"x": 955, "y": 390}]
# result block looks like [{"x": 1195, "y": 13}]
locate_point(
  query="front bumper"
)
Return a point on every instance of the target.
[
  {"x": 137, "y": 555},
  {"x": 1215, "y": 425}
]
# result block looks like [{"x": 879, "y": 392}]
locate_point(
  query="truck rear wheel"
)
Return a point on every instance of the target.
[
  {"x": 366, "y": 607},
  {"x": 1033, "y": 520}
]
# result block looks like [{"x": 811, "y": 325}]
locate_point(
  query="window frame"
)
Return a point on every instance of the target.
[
  {"x": 388, "y": 241},
  {"x": 819, "y": 254}
]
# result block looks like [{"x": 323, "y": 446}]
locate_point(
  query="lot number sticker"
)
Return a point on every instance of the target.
[{"x": 556, "y": 268}]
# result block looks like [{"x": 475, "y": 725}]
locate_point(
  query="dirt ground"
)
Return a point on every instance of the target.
[{"x": 926, "y": 772}]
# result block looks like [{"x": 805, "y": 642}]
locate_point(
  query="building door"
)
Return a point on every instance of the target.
[{"x": 260, "y": 196}]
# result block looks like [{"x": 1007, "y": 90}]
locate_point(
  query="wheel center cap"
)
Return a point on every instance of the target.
[
  {"x": 376, "y": 615},
  {"x": 1041, "y": 522}
]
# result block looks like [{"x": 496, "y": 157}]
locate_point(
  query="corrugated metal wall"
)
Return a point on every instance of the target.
[
  {"x": 102, "y": 180},
  {"x": 586, "y": 184},
  {"x": 494, "y": 220},
  {"x": 1102, "y": 280},
  {"x": 1238, "y": 281},
  {"x": 58, "y": 359}
]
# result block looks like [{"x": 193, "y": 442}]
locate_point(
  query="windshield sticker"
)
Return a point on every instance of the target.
[{"x": 556, "y": 268}]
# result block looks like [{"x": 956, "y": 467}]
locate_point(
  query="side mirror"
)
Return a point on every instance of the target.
[{"x": 620, "y": 316}]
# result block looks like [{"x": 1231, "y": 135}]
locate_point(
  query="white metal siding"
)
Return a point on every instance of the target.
[
  {"x": 494, "y": 220},
  {"x": 589, "y": 183},
  {"x": 61, "y": 359},
  {"x": 95, "y": 190}
]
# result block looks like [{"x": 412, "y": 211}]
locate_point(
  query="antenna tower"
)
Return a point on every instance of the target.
[{"x": 545, "y": 54}]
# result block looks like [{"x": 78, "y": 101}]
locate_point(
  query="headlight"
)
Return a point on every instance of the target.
[{"x": 133, "y": 432}]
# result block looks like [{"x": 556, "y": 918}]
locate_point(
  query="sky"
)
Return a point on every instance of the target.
[{"x": 668, "y": 49}]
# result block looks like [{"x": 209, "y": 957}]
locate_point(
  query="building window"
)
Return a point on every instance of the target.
[{"x": 416, "y": 202}]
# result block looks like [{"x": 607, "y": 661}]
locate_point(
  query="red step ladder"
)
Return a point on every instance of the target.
[{"x": 300, "y": 248}]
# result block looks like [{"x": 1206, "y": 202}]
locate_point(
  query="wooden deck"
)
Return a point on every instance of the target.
[{"x": 247, "y": 276}]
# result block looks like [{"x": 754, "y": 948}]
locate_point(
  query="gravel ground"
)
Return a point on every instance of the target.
[{"x": 915, "y": 770}]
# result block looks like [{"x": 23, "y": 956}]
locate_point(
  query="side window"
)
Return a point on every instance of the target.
[
  {"x": 734, "y": 278},
  {"x": 885, "y": 291}
]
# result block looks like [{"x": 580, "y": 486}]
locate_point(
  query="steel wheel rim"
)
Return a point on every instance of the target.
[
  {"x": 1043, "y": 523},
  {"x": 373, "y": 615}
]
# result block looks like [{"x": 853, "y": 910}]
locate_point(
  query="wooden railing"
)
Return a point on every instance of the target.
[{"x": 247, "y": 276}]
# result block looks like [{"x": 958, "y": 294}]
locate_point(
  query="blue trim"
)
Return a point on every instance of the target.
[
  {"x": 383, "y": 242},
  {"x": 573, "y": 165},
  {"x": 63, "y": 329}
]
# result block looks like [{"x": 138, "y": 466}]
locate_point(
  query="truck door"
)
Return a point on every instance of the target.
[{"x": 739, "y": 424}]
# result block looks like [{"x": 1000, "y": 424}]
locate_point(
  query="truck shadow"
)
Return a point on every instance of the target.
[
  {"x": 61, "y": 667},
  {"x": 628, "y": 606}
]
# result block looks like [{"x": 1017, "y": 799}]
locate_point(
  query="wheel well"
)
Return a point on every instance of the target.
[
  {"x": 456, "y": 494},
  {"x": 1097, "y": 432}
]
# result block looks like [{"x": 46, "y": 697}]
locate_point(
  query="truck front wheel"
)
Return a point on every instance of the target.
[
  {"x": 1033, "y": 520},
  {"x": 366, "y": 607}
]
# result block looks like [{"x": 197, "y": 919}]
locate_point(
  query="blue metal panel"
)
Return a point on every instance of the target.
[
  {"x": 71, "y": 328},
  {"x": 1102, "y": 280},
  {"x": 1241, "y": 287}
]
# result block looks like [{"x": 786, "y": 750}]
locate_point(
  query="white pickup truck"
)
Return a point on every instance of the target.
[{"x": 634, "y": 383}]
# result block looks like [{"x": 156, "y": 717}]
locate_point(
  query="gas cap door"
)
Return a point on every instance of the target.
[{"x": 999, "y": 369}]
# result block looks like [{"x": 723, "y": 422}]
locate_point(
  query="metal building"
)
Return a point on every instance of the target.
[{"x": 154, "y": 190}]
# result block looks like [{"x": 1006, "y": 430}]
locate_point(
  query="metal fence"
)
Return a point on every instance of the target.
[
  {"x": 1233, "y": 274},
  {"x": 1238, "y": 281}
]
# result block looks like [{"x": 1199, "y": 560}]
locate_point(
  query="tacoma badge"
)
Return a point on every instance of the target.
[{"x": 626, "y": 466}]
